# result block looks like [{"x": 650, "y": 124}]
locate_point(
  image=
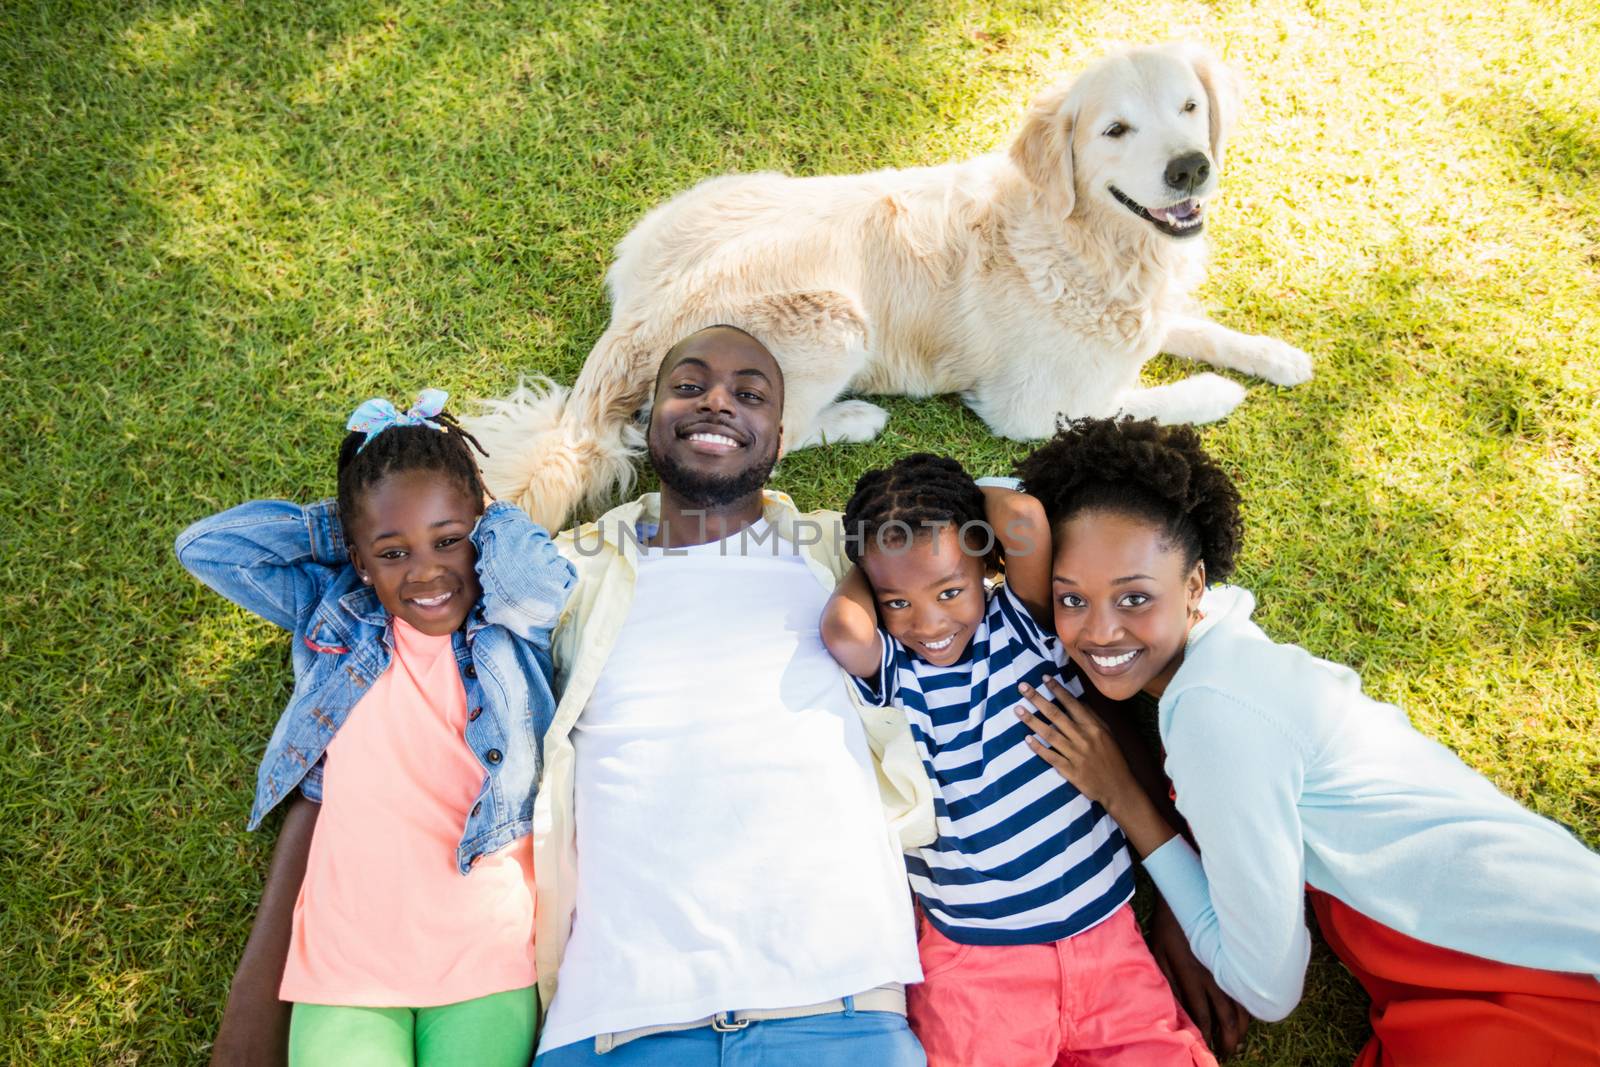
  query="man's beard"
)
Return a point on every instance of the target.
[{"x": 701, "y": 490}]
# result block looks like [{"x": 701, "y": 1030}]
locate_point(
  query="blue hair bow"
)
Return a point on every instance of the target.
[{"x": 377, "y": 415}]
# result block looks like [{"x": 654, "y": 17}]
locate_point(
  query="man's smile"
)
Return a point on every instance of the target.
[
  {"x": 712, "y": 438},
  {"x": 713, "y": 442}
]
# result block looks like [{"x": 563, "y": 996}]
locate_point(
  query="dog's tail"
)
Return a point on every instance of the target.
[{"x": 555, "y": 451}]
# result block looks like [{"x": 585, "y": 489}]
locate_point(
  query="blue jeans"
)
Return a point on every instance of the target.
[{"x": 878, "y": 1038}]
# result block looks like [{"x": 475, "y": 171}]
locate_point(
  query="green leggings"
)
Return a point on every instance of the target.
[{"x": 493, "y": 1031}]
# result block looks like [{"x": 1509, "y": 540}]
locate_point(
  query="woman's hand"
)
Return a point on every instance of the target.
[
  {"x": 1220, "y": 1018},
  {"x": 1073, "y": 740}
]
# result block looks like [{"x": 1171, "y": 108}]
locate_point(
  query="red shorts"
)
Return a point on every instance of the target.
[
  {"x": 1096, "y": 998},
  {"x": 1432, "y": 1007}
]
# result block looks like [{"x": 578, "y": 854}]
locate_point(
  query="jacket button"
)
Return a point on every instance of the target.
[
  {"x": 475, "y": 809},
  {"x": 472, "y": 716},
  {"x": 493, "y": 755},
  {"x": 471, "y": 670}
]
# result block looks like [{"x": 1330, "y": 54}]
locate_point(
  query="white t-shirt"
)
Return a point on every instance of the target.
[{"x": 732, "y": 849}]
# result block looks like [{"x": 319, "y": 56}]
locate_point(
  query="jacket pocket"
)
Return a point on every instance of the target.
[{"x": 326, "y": 636}]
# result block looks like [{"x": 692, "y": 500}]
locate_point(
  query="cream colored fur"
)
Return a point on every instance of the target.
[{"x": 1016, "y": 279}]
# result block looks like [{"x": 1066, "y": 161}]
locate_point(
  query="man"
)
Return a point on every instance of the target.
[
  {"x": 719, "y": 824},
  {"x": 718, "y": 863}
]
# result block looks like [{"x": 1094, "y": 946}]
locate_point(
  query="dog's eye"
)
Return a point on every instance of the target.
[
  {"x": 1115, "y": 130},
  {"x": 1190, "y": 106}
]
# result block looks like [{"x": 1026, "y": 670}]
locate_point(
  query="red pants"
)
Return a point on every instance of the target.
[
  {"x": 1096, "y": 999},
  {"x": 1432, "y": 1007}
]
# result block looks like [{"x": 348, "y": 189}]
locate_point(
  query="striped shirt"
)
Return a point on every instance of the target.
[{"x": 1022, "y": 858}]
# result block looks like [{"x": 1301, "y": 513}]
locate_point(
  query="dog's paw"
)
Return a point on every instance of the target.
[
  {"x": 1203, "y": 398},
  {"x": 1281, "y": 363},
  {"x": 1206, "y": 398},
  {"x": 845, "y": 422}
]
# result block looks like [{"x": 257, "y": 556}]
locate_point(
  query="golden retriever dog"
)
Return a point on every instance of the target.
[{"x": 1034, "y": 282}]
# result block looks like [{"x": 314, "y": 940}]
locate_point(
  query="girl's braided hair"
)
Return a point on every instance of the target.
[
  {"x": 407, "y": 448},
  {"x": 906, "y": 499},
  {"x": 1141, "y": 468}
]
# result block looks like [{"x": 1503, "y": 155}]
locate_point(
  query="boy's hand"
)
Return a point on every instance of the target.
[
  {"x": 850, "y": 626},
  {"x": 1020, "y": 526}
]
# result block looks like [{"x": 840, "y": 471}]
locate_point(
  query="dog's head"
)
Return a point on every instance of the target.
[{"x": 1137, "y": 137}]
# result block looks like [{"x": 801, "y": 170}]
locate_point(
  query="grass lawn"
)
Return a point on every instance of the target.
[{"x": 222, "y": 225}]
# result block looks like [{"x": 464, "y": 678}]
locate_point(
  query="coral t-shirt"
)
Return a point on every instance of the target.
[{"x": 384, "y": 917}]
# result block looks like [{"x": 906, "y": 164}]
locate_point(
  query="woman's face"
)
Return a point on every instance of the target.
[{"x": 1124, "y": 601}]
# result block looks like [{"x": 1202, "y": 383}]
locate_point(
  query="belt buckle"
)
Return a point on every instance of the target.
[{"x": 731, "y": 1026}]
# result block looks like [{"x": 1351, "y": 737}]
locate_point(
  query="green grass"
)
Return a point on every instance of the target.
[{"x": 222, "y": 225}]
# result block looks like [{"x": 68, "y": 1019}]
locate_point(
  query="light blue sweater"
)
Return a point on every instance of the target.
[{"x": 1288, "y": 774}]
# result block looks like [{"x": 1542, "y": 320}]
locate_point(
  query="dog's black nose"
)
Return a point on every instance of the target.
[{"x": 1187, "y": 172}]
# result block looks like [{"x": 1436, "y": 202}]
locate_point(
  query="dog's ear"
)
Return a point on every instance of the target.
[
  {"x": 1042, "y": 150},
  {"x": 1221, "y": 95}
]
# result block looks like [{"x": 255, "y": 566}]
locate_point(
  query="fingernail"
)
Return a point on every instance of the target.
[{"x": 1024, "y": 687}]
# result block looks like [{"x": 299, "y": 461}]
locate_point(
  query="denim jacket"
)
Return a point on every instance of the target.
[{"x": 289, "y": 564}]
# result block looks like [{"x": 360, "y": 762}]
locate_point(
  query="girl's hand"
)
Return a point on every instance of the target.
[{"x": 1074, "y": 741}]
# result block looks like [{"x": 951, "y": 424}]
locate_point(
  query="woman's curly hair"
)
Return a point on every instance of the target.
[
  {"x": 1141, "y": 468},
  {"x": 908, "y": 497}
]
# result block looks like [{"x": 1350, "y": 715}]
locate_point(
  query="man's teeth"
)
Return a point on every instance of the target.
[
  {"x": 938, "y": 646},
  {"x": 430, "y": 601},
  {"x": 1113, "y": 661},
  {"x": 714, "y": 439}
]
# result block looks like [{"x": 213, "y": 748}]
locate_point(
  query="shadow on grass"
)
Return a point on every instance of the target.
[{"x": 1560, "y": 138}]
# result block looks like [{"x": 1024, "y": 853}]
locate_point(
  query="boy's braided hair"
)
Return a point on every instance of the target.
[
  {"x": 918, "y": 491},
  {"x": 406, "y": 448},
  {"x": 1141, "y": 468}
]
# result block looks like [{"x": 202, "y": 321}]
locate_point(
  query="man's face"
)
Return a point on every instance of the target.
[{"x": 716, "y": 420}]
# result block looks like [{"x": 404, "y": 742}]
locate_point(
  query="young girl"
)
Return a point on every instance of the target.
[
  {"x": 1470, "y": 921},
  {"x": 421, "y": 658},
  {"x": 1030, "y": 951}
]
